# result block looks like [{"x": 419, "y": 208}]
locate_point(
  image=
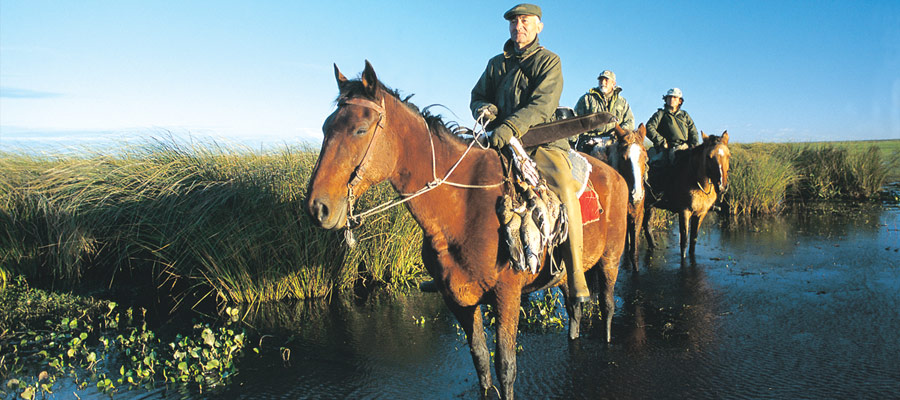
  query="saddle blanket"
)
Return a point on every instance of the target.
[{"x": 590, "y": 206}]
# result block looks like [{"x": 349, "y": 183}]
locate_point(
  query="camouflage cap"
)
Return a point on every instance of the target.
[
  {"x": 522, "y": 9},
  {"x": 608, "y": 75}
]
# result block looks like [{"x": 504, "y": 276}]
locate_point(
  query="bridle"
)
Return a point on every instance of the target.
[{"x": 357, "y": 175}]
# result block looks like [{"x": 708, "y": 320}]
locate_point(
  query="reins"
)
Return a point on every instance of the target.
[{"x": 356, "y": 220}]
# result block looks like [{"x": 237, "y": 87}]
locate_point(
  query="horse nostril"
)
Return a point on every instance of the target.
[{"x": 319, "y": 210}]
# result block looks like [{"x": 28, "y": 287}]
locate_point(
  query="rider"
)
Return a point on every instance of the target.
[
  {"x": 604, "y": 97},
  {"x": 670, "y": 129},
  {"x": 521, "y": 88}
]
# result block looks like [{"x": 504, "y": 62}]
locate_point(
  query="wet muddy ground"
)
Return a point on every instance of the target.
[{"x": 801, "y": 306}]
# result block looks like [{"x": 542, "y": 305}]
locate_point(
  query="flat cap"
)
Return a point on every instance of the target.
[
  {"x": 522, "y": 9},
  {"x": 608, "y": 75}
]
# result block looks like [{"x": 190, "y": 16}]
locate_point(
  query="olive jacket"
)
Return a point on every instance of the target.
[
  {"x": 672, "y": 128},
  {"x": 525, "y": 87},
  {"x": 593, "y": 101}
]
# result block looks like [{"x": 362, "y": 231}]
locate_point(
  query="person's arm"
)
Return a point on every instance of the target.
[
  {"x": 652, "y": 125},
  {"x": 693, "y": 133},
  {"x": 483, "y": 92},
  {"x": 628, "y": 119}
]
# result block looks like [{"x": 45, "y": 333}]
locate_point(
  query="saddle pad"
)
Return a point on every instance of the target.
[
  {"x": 581, "y": 170},
  {"x": 590, "y": 206}
]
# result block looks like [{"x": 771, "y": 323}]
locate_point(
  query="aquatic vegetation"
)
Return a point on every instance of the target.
[
  {"x": 758, "y": 181},
  {"x": 197, "y": 221},
  {"x": 205, "y": 221},
  {"x": 105, "y": 347}
]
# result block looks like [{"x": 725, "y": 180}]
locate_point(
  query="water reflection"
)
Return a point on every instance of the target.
[{"x": 800, "y": 306}]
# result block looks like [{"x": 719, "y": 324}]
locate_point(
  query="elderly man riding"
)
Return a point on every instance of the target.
[
  {"x": 605, "y": 97},
  {"x": 521, "y": 88}
]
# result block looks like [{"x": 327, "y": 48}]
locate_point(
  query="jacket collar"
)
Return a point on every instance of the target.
[
  {"x": 509, "y": 49},
  {"x": 615, "y": 93}
]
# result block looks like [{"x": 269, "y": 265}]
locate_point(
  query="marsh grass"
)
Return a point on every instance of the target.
[
  {"x": 199, "y": 221},
  {"x": 195, "y": 220},
  {"x": 758, "y": 180},
  {"x": 828, "y": 172}
]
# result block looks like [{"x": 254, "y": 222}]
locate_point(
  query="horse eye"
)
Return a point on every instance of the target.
[{"x": 362, "y": 130}]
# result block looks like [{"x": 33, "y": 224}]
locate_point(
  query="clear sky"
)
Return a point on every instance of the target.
[{"x": 260, "y": 72}]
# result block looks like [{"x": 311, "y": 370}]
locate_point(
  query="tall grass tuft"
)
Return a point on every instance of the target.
[
  {"x": 828, "y": 172},
  {"x": 198, "y": 220},
  {"x": 758, "y": 180}
]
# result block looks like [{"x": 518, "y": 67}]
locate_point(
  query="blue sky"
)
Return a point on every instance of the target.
[{"x": 260, "y": 73}]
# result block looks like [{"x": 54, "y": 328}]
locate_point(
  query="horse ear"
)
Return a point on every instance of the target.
[
  {"x": 620, "y": 132},
  {"x": 369, "y": 80},
  {"x": 704, "y": 136},
  {"x": 725, "y": 137},
  {"x": 642, "y": 131},
  {"x": 341, "y": 79}
]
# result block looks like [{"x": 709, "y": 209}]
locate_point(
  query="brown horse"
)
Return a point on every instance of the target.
[
  {"x": 698, "y": 177},
  {"x": 374, "y": 136},
  {"x": 629, "y": 156}
]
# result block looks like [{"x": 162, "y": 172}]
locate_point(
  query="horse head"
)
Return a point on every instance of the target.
[
  {"x": 631, "y": 159},
  {"x": 718, "y": 157},
  {"x": 356, "y": 149}
]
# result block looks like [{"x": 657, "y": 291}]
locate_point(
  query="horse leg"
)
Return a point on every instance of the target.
[
  {"x": 631, "y": 238},
  {"x": 573, "y": 309},
  {"x": 470, "y": 320},
  {"x": 696, "y": 220},
  {"x": 508, "y": 303},
  {"x": 648, "y": 230},
  {"x": 610, "y": 267},
  {"x": 684, "y": 222},
  {"x": 634, "y": 231}
]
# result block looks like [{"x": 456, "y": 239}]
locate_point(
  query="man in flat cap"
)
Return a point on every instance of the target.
[
  {"x": 604, "y": 97},
  {"x": 521, "y": 88}
]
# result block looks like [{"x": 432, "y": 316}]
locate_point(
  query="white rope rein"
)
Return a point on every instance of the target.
[{"x": 477, "y": 131}]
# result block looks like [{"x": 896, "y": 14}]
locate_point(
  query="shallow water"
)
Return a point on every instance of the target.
[{"x": 803, "y": 306}]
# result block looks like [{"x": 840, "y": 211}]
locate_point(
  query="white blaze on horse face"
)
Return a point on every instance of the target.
[{"x": 634, "y": 156}]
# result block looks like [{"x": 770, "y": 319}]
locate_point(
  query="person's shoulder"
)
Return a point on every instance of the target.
[{"x": 546, "y": 55}]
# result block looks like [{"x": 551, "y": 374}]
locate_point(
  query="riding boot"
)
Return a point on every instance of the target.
[
  {"x": 556, "y": 169},
  {"x": 573, "y": 251}
]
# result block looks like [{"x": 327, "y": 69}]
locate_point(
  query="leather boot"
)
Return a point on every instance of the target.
[{"x": 573, "y": 251}]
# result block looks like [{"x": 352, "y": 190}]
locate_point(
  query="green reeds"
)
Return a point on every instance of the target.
[
  {"x": 208, "y": 221},
  {"x": 757, "y": 180},
  {"x": 194, "y": 220},
  {"x": 828, "y": 172}
]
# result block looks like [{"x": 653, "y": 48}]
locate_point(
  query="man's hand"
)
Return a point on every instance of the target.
[
  {"x": 500, "y": 137},
  {"x": 488, "y": 111}
]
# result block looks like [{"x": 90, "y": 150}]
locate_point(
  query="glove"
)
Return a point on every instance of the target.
[
  {"x": 489, "y": 111},
  {"x": 500, "y": 137}
]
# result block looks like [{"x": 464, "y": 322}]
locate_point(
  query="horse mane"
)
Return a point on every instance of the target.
[{"x": 435, "y": 122}]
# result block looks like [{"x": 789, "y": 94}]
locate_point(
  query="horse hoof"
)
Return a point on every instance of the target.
[
  {"x": 428, "y": 287},
  {"x": 581, "y": 299}
]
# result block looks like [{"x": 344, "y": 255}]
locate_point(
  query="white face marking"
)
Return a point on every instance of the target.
[
  {"x": 634, "y": 155},
  {"x": 722, "y": 152}
]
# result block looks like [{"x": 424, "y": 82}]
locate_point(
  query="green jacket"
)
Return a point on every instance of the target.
[
  {"x": 525, "y": 87},
  {"x": 673, "y": 128},
  {"x": 594, "y": 101}
]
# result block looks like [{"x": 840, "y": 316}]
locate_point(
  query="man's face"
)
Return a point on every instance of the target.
[
  {"x": 673, "y": 102},
  {"x": 524, "y": 28},
  {"x": 607, "y": 85}
]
